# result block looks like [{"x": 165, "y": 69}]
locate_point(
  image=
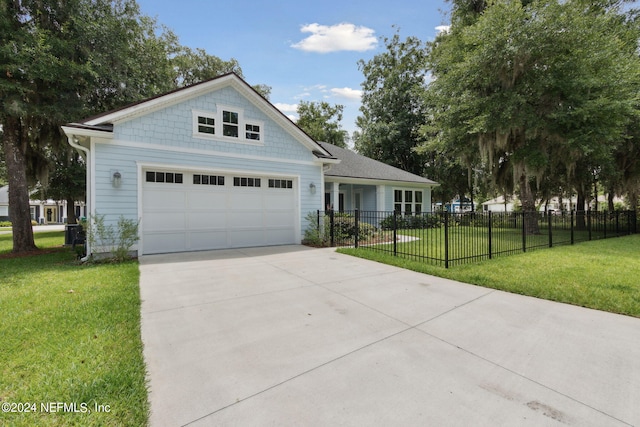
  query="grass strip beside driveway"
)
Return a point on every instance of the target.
[
  {"x": 71, "y": 341},
  {"x": 601, "y": 274}
]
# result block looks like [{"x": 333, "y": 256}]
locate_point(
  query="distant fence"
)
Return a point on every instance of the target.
[{"x": 449, "y": 239}]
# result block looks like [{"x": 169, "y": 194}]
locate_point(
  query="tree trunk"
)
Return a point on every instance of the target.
[
  {"x": 610, "y": 205},
  {"x": 71, "y": 211},
  {"x": 529, "y": 213},
  {"x": 19, "y": 211}
]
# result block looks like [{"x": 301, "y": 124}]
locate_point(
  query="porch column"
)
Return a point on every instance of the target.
[
  {"x": 380, "y": 194},
  {"x": 41, "y": 219},
  {"x": 335, "y": 195}
]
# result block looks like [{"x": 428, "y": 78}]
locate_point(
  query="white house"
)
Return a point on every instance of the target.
[
  {"x": 42, "y": 211},
  {"x": 215, "y": 165}
]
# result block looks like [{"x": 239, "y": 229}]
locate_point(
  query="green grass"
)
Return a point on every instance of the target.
[
  {"x": 71, "y": 334},
  {"x": 600, "y": 274}
]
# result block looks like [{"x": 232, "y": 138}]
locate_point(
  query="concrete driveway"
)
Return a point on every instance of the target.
[{"x": 294, "y": 336}]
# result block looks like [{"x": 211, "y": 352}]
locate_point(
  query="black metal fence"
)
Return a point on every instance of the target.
[{"x": 449, "y": 239}]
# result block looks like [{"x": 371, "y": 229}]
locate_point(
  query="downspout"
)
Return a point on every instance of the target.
[{"x": 73, "y": 142}]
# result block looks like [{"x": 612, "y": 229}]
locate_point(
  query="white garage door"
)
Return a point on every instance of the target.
[{"x": 191, "y": 211}]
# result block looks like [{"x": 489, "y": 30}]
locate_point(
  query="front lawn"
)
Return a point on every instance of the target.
[
  {"x": 601, "y": 274},
  {"x": 71, "y": 352}
]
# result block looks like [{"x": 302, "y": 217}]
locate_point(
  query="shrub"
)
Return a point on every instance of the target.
[
  {"x": 412, "y": 221},
  {"x": 116, "y": 243},
  {"x": 5, "y": 223}
]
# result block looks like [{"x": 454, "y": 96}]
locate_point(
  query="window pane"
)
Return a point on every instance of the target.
[
  {"x": 257, "y": 182},
  {"x": 230, "y": 117},
  {"x": 178, "y": 178},
  {"x": 236, "y": 181},
  {"x": 289, "y": 184},
  {"x": 397, "y": 207},
  {"x": 397, "y": 196},
  {"x": 418, "y": 208},
  {"x": 243, "y": 182},
  {"x": 169, "y": 177},
  {"x": 408, "y": 196},
  {"x": 228, "y": 130},
  {"x": 196, "y": 179},
  {"x": 407, "y": 208},
  {"x": 159, "y": 176},
  {"x": 151, "y": 177},
  {"x": 250, "y": 182},
  {"x": 206, "y": 129},
  {"x": 205, "y": 179},
  {"x": 221, "y": 180},
  {"x": 213, "y": 180},
  {"x": 418, "y": 196}
]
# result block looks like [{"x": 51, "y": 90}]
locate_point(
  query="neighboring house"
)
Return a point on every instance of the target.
[
  {"x": 42, "y": 211},
  {"x": 215, "y": 165},
  {"x": 456, "y": 206},
  {"x": 499, "y": 204}
]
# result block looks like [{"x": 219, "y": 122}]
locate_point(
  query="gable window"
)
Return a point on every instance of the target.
[
  {"x": 164, "y": 177},
  {"x": 206, "y": 125},
  {"x": 407, "y": 201},
  {"x": 227, "y": 124},
  {"x": 230, "y": 123},
  {"x": 253, "y": 132}
]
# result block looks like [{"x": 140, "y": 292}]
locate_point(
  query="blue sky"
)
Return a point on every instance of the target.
[{"x": 304, "y": 50}]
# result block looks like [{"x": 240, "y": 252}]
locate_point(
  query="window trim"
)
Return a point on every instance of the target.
[
  {"x": 404, "y": 202},
  {"x": 219, "y": 126}
]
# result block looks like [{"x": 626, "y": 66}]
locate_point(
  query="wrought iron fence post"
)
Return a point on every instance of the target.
[
  {"x": 524, "y": 232},
  {"x": 550, "y": 221},
  {"x": 490, "y": 238},
  {"x": 589, "y": 223},
  {"x": 617, "y": 223},
  {"x": 395, "y": 233},
  {"x": 357, "y": 227},
  {"x": 571, "y": 215},
  {"x": 332, "y": 232},
  {"x": 604, "y": 217},
  {"x": 446, "y": 239}
]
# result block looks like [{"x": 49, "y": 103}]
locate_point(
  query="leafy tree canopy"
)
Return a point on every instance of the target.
[{"x": 321, "y": 122}]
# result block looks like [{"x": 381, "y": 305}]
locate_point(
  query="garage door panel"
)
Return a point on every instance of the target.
[
  {"x": 251, "y": 219},
  {"x": 208, "y": 200},
  {"x": 166, "y": 242},
  {"x": 278, "y": 200},
  {"x": 245, "y": 200},
  {"x": 162, "y": 199},
  {"x": 278, "y": 218},
  {"x": 279, "y": 236},
  {"x": 208, "y": 240},
  {"x": 245, "y": 238},
  {"x": 164, "y": 221},
  {"x": 185, "y": 217},
  {"x": 206, "y": 220}
]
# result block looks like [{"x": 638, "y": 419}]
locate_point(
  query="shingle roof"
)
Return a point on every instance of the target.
[{"x": 354, "y": 165}]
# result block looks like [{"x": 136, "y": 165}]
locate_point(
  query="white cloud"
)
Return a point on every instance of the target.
[
  {"x": 443, "y": 28},
  {"x": 344, "y": 36},
  {"x": 286, "y": 108},
  {"x": 347, "y": 92}
]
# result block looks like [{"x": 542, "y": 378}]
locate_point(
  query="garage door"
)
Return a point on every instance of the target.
[{"x": 190, "y": 211}]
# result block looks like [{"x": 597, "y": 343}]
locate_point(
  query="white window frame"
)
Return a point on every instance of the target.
[
  {"x": 413, "y": 201},
  {"x": 219, "y": 124}
]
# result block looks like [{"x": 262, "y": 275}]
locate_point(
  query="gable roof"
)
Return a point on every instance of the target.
[
  {"x": 103, "y": 123},
  {"x": 354, "y": 165}
]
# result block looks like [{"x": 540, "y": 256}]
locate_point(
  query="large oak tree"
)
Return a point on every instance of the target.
[{"x": 535, "y": 86}]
